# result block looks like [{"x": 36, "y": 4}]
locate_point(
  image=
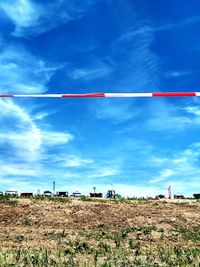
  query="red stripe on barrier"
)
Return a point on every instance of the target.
[
  {"x": 85, "y": 95},
  {"x": 6, "y": 95},
  {"x": 175, "y": 94}
]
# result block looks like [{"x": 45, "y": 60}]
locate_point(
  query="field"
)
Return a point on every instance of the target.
[{"x": 66, "y": 232}]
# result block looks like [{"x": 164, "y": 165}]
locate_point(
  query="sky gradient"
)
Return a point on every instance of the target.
[{"x": 137, "y": 146}]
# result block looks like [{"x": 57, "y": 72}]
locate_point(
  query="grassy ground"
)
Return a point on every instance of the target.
[{"x": 65, "y": 232}]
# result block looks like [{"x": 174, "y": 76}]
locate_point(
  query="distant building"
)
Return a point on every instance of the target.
[{"x": 1, "y": 193}]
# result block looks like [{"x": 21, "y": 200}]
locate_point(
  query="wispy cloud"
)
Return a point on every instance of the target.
[
  {"x": 21, "y": 72},
  {"x": 104, "y": 172},
  {"x": 71, "y": 161},
  {"x": 138, "y": 64},
  {"x": 179, "y": 73},
  {"x": 163, "y": 175},
  {"x": 32, "y": 18},
  {"x": 183, "y": 171},
  {"x": 194, "y": 110},
  {"x": 166, "y": 26},
  {"x": 96, "y": 71},
  {"x": 115, "y": 111},
  {"x": 23, "y": 143},
  {"x": 171, "y": 117}
]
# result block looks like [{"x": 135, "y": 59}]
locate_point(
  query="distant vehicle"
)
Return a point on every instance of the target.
[
  {"x": 112, "y": 194},
  {"x": 11, "y": 193},
  {"x": 62, "y": 194},
  {"x": 196, "y": 196},
  {"x": 158, "y": 197},
  {"x": 161, "y": 196},
  {"x": 76, "y": 194},
  {"x": 47, "y": 193},
  {"x": 26, "y": 194},
  {"x": 96, "y": 195},
  {"x": 179, "y": 197}
]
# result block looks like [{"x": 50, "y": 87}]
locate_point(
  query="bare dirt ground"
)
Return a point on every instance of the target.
[
  {"x": 32, "y": 219},
  {"x": 99, "y": 233}
]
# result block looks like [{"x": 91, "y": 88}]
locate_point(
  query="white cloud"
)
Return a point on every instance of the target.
[
  {"x": 96, "y": 71},
  {"x": 138, "y": 64},
  {"x": 75, "y": 161},
  {"x": 21, "y": 72},
  {"x": 167, "y": 173},
  {"x": 23, "y": 140},
  {"x": 56, "y": 138},
  {"x": 72, "y": 161},
  {"x": 168, "y": 116},
  {"x": 150, "y": 29},
  {"x": 117, "y": 111},
  {"x": 16, "y": 170},
  {"x": 31, "y": 18},
  {"x": 183, "y": 173},
  {"x": 25, "y": 13},
  {"x": 163, "y": 175},
  {"x": 21, "y": 134},
  {"x": 104, "y": 172},
  {"x": 179, "y": 73},
  {"x": 192, "y": 110}
]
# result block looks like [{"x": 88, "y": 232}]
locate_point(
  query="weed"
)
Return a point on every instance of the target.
[
  {"x": 55, "y": 235},
  {"x": 8, "y": 200},
  {"x": 187, "y": 234},
  {"x": 147, "y": 230},
  {"x": 27, "y": 222},
  {"x": 104, "y": 248},
  {"x": 19, "y": 238}
]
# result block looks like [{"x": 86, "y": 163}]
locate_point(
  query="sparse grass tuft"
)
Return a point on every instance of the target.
[{"x": 8, "y": 200}]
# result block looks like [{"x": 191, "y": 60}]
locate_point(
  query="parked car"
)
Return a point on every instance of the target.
[
  {"x": 76, "y": 194},
  {"x": 47, "y": 193}
]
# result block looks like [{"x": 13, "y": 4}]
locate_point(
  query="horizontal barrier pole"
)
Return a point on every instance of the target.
[{"x": 108, "y": 95}]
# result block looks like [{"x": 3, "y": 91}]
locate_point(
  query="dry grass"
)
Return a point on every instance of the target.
[{"x": 39, "y": 232}]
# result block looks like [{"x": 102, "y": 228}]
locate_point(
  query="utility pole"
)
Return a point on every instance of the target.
[
  {"x": 94, "y": 188},
  {"x": 54, "y": 187}
]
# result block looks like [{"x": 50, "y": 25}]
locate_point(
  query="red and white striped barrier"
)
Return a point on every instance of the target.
[{"x": 114, "y": 95}]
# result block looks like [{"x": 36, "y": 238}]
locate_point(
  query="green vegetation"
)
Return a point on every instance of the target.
[
  {"x": 81, "y": 253},
  {"x": 8, "y": 200}
]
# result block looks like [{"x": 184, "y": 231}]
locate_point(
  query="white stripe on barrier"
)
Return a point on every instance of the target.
[{"x": 128, "y": 94}]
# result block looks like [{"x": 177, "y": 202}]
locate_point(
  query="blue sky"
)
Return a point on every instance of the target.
[{"x": 68, "y": 46}]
